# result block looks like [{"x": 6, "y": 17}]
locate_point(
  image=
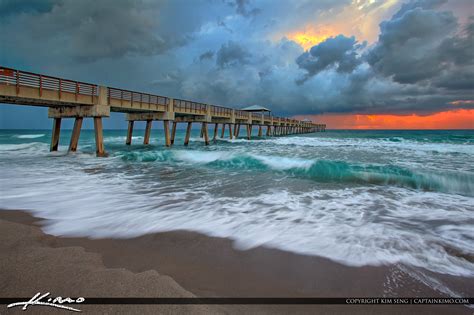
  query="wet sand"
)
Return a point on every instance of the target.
[{"x": 186, "y": 264}]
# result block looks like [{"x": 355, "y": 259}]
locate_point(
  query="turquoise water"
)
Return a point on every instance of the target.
[{"x": 356, "y": 197}]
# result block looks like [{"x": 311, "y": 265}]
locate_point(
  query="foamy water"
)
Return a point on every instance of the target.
[{"x": 356, "y": 198}]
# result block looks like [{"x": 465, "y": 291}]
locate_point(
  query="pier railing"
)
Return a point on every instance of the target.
[
  {"x": 41, "y": 82},
  {"x": 240, "y": 114},
  {"x": 221, "y": 111},
  {"x": 182, "y": 106},
  {"x": 137, "y": 98},
  {"x": 47, "y": 87}
]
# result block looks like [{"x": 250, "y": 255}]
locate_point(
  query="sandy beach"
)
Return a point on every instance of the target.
[{"x": 186, "y": 264}]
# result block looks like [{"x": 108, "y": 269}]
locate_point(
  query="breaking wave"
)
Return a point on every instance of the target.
[{"x": 319, "y": 170}]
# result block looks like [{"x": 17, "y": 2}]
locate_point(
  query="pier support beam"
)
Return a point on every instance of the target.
[
  {"x": 146, "y": 138},
  {"x": 202, "y": 131},
  {"x": 129, "y": 132},
  {"x": 188, "y": 133},
  {"x": 206, "y": 133},
  {"x": 166, "y": 128},
  {"x": 268, "y": 130},
  {"x": 99, "y": 137},
  {"x": 216, "y": 128},
  {"x": 238, "y": 131},
  {"x": 249, "y": 132},
  {"x": 173, "y": 132},
  {"x": 55, "y": 134},
  {"x": 76, "y": 132},
  {"x": 223, "y": 131},
  {"x": 230, "y": 131},
  {"x": 259, "y": 130}
]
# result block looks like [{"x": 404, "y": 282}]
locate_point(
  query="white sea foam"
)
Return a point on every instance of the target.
[
  {"x": 283, "y": 163},
  {"x": 344, "y": 225},
  {"x": 374, "y": 144},
  {"x": 29, "y": 136},
  {"x": 23, "y": 148},
  {"x": 121, "y": 139},
  {"x": 356, "y": 225},
  {"x": 202, "y": 156}
]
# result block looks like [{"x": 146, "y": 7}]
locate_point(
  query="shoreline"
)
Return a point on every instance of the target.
[{"x": 182, "y": 263}]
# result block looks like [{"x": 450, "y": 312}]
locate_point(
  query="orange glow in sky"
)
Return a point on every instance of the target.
[
  {"x": 453, "y": 119},
  {"x": 311, "y": 36},
  {"x": 361, "y": 18}
]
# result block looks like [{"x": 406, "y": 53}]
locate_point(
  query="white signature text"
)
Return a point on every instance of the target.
[{"x": 45, "y": 300}]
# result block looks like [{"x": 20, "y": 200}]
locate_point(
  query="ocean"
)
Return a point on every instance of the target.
[{"x": 355, "y": 197}]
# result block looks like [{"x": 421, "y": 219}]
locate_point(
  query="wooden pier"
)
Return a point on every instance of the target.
[{"x": 73, "y": 99}]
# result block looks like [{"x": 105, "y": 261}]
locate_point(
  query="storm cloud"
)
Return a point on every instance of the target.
[
  {"x": 422, "y": 60},
  {"x": 339, "y": 52},
  {"x": 232, "y": 53},
  {"x": 409, "y": 46}
]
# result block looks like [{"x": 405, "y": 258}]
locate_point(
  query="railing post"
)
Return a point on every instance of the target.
[
  {"x": 17, "y": 82},
  {"x": 41, "y": 86}
]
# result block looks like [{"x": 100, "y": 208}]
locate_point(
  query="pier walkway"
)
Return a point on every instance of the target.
[{"x": 73, "y": 99}]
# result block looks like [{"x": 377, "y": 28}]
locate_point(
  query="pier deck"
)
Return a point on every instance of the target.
[{"x": 73, "y": 99}]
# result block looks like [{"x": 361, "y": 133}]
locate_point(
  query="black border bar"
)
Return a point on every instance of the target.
[{"x": 261, "y": 300}]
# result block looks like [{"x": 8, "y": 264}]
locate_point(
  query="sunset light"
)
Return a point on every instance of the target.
[
  {"x": 454, "y": 119},
  {"x": 311, "y": 36}
]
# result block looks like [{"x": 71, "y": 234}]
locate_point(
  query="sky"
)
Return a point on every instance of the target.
[{"x": 349, "y": 63}]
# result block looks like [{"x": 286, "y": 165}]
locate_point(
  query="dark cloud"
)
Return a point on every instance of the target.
[
  {"x": 460, "y": 49},
  {"x": 206, "y": 55},
  {"x": 235, "y": 53},
  {"x": 422, "y": 4},
  {"x": 90, "y": 30},
  {"x": 232, "y": 53},
  {"x": 461, "y": 79},
  {"x": 241, "y": 7},
  {"x": 339, "y": 52},
  {"x": 424, "y": 46},
  {"x": 408, "y": 46},
  {"x": 223, "y": 25},
  {"x": 14, "y": 7}
]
